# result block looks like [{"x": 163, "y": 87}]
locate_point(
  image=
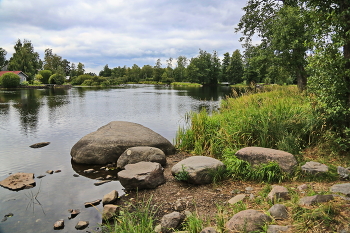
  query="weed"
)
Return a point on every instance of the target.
[{"x": 183, "y": 175}]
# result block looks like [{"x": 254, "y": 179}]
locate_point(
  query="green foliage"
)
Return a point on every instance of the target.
[
  {"x": 57, "y": 79},
  {"x": 242, "y": 170},
  {"x": 193, "y": 224},
  {"x": 183, "y": 175},
  {"x": 80, "y": 79},
  {"x": 136, "y": 218},
  {"x": 279, "y": 119},
  {"x": 3, "y": 61},
  {"x": 46, "y": 74},
  {"x": 10, "y": 80}
]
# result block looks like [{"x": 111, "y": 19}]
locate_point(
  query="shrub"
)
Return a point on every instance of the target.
[
  {"x": 9, "y": 80},
  {"x": 45, "y": 74},
  {"x": 56, "y": 79},
  {"x": 80, "y": 79}
]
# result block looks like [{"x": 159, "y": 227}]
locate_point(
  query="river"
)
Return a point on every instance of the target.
[{"x": 62, "y": 117}]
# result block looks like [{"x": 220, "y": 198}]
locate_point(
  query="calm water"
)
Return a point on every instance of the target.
[{"x": 62, "y": 117}]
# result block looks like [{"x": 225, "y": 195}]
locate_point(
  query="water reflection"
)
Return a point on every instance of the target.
[{"x": 98, "y": 174}]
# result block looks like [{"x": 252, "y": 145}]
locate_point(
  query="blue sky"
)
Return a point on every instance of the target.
[{"x": 120, "y": 32}]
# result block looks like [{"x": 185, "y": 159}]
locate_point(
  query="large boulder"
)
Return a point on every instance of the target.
[
  {"x": 107, "y": 143},
  {"x": 198, "y": 169},
  {"x": 259, "y": 155},
  {"x": 142, "y": 175},
  {"x": 141, "y": 153},
  {"x": 247, "y": 221}
]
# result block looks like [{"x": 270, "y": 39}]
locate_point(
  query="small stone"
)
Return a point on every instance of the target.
[
  {"x": 103, "y": 168},
  {"x": 75, "y": 175},
  {"x": 277, "y": 228},
  {"x": 110, "y": 198},
  {"x": 209, "y": 230},
  {"x": 89, "y": 170},
  {"x": 248, "y": 190},
  {"x": 39, "y": 145},
  {"x": 101, "y": 182},
  {"x": 109, "y": 177},
  {"x": 57, "y": 171},
  {"x": 81, "y": 225},
  {"x": 49, "y": 172},
  {"x": 92, "y": 203},
  {"x": 310, "y": 200},
  {"x": 341, "y": 188},
  {"x": 302, "y": 187},
  {"x": 158, "y": 229},
  {"x": 251, "y": 196},
  {"x": 343, "y": 172},
  {"x": 41, "y": 176},
  {"x": 314, "y": 167},
  {"x": 278, "y": 192},
  {"x": 236, "y": 199},
  {"x": 109, "y": 211},
  {"x": 235, "y": 191},
  {"x": 59, "y": 224}
]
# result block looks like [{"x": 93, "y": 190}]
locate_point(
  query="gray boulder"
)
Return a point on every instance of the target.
[
  {"x": 278, "y": 211},
  {"x": 171, "y": 221},
  {"x": 139, "y": 154},
  {"x": 341, "y": 188},
  {"x": 209, "y": 230},
  {"x": 247, "y": 221},
  {"x": 310, "y": 200},
  {"x": 314, "y": 167},
  {"x": 107, "y": 143},
  {"x": 200, "y": 169},
  {"x": 260, "y": 155},
  {"x": 343, "y": 172},
  {"x": 278, "y": 192},
  {"x": 142, "y": 175}
]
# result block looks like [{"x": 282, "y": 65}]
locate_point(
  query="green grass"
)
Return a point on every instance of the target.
[
  {"x": 279, "y": 119},
  {"x": 186, "y": 84},
  {"x": 135, "y": 218}
]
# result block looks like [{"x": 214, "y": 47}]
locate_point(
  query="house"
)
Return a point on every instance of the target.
[{"x": 21, "y": 74}]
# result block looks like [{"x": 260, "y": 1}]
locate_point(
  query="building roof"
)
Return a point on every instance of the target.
[{"x": 15, "y": 72}]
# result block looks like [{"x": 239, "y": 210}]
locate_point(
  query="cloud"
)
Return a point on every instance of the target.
[{"x": 120, "y": 32}]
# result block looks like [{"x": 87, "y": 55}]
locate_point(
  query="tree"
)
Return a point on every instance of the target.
[
  {"x": 282, "y": 27},
  {"x": 106, "y": 72},
  {"x": 236, "y": 67},
  {"x": 329, "y": 65},
  {"x": 180, "y": 70},
  {"x": 3, "y": 61},
  {"x": 25, "y": 59},
  {"x": 157, "y": 71},
  {"x": 225, "y": 71},
  {"x": 146, "y": 72},
  {"x": 80, "y": 69}
]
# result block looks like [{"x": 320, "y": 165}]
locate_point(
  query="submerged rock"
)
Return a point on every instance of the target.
[
  {"x": 58, "y": 224},
  {"x": 39, "y": 145},
  {"x": 18, "y": 181}
]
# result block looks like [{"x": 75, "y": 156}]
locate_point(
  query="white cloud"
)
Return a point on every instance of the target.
[{"x": 120, "y": 32}]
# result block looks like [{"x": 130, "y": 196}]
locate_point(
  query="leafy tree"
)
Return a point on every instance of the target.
[
  {"x": 180, "y": 69},
  {"x": 80, "y": 69},
  {"x": 46, "y": 74},
  {"x": 225, "y": 71},
  {"x": 3, "y": 61},
  {"x": 25, "y": 59},
  {"x": 66, "y": 67},
  {"x": 146, "y": 72},
  {"x": 329, "y": 65},
  {"x": 9, "y": 80},
  {"x": 236, "y": 68},
  {"x": 106, "y": 72},
  {"x": 283, "y": 29},
  {"x": 157, "y": 71}
]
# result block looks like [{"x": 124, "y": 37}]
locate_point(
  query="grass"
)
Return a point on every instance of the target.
[
  {"x": 185, "y": 84},
  {"x": 134, "y": 218}
]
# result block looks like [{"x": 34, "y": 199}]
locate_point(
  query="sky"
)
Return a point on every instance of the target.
[{"x": 121, "y": 32}]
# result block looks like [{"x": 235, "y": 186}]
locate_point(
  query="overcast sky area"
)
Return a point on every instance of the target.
[{"x": 120, "y": 32}]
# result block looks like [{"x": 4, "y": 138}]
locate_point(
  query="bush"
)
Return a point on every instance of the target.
[
  {"x": 80, "y": 79},
  {"x": 9, "y": 80},
  {"x": 45, "y": 74},
  {"x": 56, "y": 79}
]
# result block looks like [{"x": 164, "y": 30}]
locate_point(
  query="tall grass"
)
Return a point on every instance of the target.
[{"x": 280, "y": 118}]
